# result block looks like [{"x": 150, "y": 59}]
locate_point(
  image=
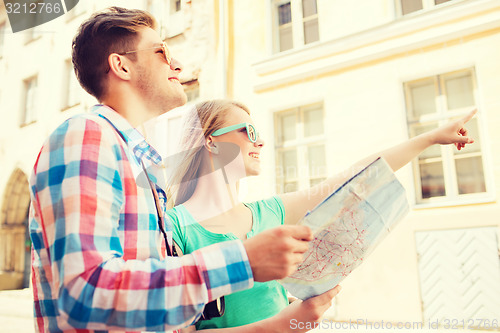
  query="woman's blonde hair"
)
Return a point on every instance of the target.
[{"x": 200, "y": 122}]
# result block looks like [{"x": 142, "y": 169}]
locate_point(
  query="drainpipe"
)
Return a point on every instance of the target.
[{"x": 222, "y": 36}]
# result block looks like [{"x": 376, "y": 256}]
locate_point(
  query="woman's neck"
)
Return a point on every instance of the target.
[{"x": 213, "y": 196}]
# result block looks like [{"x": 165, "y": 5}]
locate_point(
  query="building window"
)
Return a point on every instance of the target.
[
  {"x": 285, "y": 26},
  {"x": 71, "y": 86},
  {"x": 443, "y": 172},
  {"x": 310, "y": 20},
  {"x": 170, "y": 16},
  {"x": 164, "y": 134},
  {"x": 35, "y": 20},
  {"x": 300, "y": 148},
  {"x": 33, "y": 34},
  {"x": 175, "y": 6},
  {"x": 2, "y": 38},
  {"x": 410, "y": 6},
  {"x": 459, "y": 275},
  {"x": 296, "y": 23},
  {"x": 30, "y": 98}
]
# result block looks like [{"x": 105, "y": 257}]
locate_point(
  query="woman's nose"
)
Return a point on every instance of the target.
[{"x": 259, "y": 142}]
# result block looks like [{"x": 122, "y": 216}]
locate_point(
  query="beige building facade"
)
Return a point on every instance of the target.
[
  {"x": 328, "y": 82},
  {"x": 331, "y": 82}
]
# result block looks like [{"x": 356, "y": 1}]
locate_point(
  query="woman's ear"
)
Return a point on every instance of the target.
[{"x": 211, "y": 146}]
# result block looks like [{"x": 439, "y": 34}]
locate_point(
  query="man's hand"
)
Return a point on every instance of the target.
[{"x": 275, "y": 253}]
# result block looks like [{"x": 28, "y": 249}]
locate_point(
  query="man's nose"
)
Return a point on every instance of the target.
[{"x": 176, "y": 65}]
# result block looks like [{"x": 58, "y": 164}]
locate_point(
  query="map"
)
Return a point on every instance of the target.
[{"x": 347, "y": 226}]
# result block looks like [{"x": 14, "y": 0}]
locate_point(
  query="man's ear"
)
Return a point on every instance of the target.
[{"x": 119, "y": 66}]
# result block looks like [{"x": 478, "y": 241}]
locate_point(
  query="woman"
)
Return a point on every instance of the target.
[{"x": 221, "y": 146}]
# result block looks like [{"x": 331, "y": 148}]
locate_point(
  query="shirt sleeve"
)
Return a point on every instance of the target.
[
  {"x": 279, "y": 209},
  {"x": 77, "y": 198}
]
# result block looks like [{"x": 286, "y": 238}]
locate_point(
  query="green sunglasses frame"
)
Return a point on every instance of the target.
[{"x": 228, "y": 129}]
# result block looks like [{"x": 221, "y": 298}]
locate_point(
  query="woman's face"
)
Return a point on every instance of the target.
[{"x": 250, "y": 151}]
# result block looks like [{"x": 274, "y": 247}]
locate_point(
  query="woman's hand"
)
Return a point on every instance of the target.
[
  {"x": 301, "y": 316},
  {"x": 453, "y": 132}
]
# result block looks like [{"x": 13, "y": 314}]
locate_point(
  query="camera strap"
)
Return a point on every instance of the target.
[{"x": 171, "y": 252}]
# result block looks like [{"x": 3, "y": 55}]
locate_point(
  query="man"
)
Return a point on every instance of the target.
[{"x": 98, "y": 250}]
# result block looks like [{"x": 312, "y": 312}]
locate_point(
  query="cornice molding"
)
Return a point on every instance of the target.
[{"x": 406, "y": 34}]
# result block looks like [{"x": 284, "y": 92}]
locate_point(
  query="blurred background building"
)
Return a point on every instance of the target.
[{"x": 328, "y": 82}]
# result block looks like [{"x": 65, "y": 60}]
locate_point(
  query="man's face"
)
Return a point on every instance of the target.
[{"x": 157, "y": 81}]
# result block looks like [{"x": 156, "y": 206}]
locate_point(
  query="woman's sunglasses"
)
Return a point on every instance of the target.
[{"x": 253, "y": 135}]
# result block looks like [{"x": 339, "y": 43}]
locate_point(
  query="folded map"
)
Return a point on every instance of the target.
[{"x": 347, "y": 226}]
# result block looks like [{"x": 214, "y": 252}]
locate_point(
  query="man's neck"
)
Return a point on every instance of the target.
[{"x": 133, "y": 109}]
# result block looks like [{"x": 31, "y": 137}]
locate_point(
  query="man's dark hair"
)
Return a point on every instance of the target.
[{"x": 113, "y": 30}]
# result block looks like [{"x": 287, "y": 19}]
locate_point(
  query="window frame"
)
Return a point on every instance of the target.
[
  {"x": 71, "y": 87},
  {"x": 3, "y": 29},
  {"x": 174, "y": 3},
  {"x": 171, "y": 23},
  {"x": 309, "y": 19},
  {"x": 33, "y": 114},
  {"x": 176, "y": 24},
  {"x": 164, "y": 140},
  {"x": 441, "y": 116},
  {"x": 297, "y": 25},
  {"x": 426, "y": 6},
  {"x": 33, "y": 35},
  {"x": 301, "y": 144}
]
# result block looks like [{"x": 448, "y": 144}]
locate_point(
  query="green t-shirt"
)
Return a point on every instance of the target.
[{"x": 262, "y": 301}]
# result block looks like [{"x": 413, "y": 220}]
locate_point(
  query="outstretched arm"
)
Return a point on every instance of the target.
[
  {"x": 298, "y": 203},
  {"x": 451, "y": 133}
]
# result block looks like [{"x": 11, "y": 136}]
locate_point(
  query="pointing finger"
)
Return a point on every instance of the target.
[
  {"x": 462, "y": 140},
  {"x": 469, "y": 116}
]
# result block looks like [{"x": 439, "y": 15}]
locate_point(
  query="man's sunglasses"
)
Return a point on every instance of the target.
[
  {"x": 163, "y": 46},
  {"x": 253, "y": 135}
]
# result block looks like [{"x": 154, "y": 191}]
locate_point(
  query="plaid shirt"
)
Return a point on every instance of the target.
[{"x": 98, "y": 256}]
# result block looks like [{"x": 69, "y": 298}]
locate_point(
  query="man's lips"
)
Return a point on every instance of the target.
[{"x": 173, "y": 79}]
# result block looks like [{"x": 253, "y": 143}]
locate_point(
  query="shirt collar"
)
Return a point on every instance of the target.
[{"x": 132, "y": 136}]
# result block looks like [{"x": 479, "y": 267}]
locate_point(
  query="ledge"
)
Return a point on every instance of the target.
[
  {"x": 406, "y": 34},
  {"x": 473, "y": 200}
]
